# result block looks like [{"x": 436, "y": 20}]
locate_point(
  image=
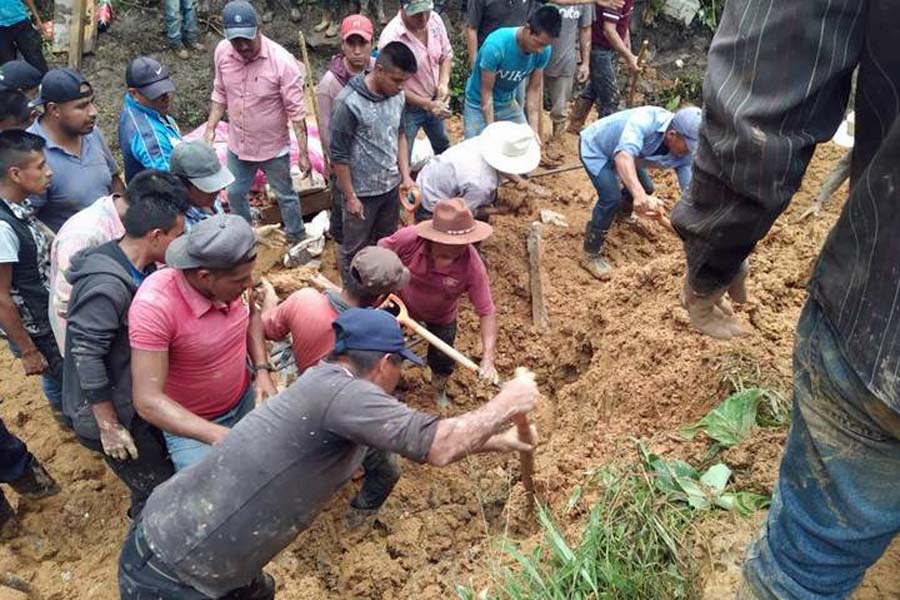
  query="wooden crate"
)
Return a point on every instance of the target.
[{"x": 311, "y": 202}]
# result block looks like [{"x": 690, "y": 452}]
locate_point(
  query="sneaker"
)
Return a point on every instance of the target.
[
  {"x": 196, "y": 46},
  {"x": 322, "y": 26},
  {"x": 331, "y": 31},
  {"x": 597, "y": 266},
  {"x": 182, "y": 53},
  {"x": 36, "y": 483}
]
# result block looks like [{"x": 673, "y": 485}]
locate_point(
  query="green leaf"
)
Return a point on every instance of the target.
[
  {"x": 731, "y": 421},
  {"x": 743, "y": 503},
  {"x": 574, "y": 498},
  {"x": 717, "y": 477}
]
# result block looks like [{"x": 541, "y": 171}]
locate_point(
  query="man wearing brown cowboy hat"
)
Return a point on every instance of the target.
[{"x": 443, "y": 265}]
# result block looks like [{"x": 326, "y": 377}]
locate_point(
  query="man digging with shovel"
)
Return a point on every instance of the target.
[{"x": 209, "y": 531}]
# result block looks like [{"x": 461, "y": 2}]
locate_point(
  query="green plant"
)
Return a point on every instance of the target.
[
  {"x": 731, "y": 421},
  {"x": 684, "y": 90},
  {"x": 459, "y": 75},
  {"x": 709, "y": 14}
]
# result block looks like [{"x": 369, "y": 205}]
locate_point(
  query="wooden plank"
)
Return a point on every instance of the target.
[
  {"x": 63, "y": 21},
  {"x": 536, "y": 278}
]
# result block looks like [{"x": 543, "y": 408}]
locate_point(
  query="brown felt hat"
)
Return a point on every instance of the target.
[{"x": 453, "y": 224}]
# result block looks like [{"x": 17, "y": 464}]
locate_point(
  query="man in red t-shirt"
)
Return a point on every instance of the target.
[
  {"x": 443, "y": 265},
  {"x": 610, "y": 38},
  {"x": 190, "y": 335}
]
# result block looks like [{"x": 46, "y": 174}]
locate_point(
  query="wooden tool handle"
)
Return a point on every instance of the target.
[
  {"x": 311, "y": 88},
  {"x": 632, "y": 85},
  {"x": 438, "y": 343}
]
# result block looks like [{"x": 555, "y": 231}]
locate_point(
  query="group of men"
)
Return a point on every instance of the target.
[{"x": 136, "y": 317}]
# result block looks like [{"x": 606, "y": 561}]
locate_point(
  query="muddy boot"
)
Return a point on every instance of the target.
[
  {"x": 36, "y": 483},
  {"x": 592, "y": 261},
  {"x": 559, "y": 128},
  {"x": 357, "y": 518},
  {"x": 710, "y": 314},
  {"x": 737, "y": 290},
  {"x": 439, "y": 382},
  {"x": 9, "y": 525},
  {"x": 580, "y": 110}
]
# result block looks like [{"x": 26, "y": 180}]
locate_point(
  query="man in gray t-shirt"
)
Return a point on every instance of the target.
[
  {"x": 560, "y": 73},
  {"x": 210, "y": 529}
]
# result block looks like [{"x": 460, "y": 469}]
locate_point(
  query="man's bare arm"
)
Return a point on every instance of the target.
[{"x": 488, "y": 78}]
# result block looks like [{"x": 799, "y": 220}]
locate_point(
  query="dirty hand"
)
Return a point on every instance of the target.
[
  {"x": 408, "y": 186},
  {"x": 648, "y": 206},
  {"x": 443, "y": 93},
  {"x": 271, "y": 236},
  {"x": 353, "y": 206},
  {"x": 33, "y": 362},
  {"x": 264, "y": 294},
  {"x": 633, "y": 65},
  {"x": 303, "y": 165},
  {"x": 209, "y": 136},
  {"x": 439, "y": 110},
  {"x": 265, "y": 387},
  {"x": 520, "y": 392},
  {"x": 117, "y": 441},
  {"x": 488, "y": 372},
  {"x": 46, "y": 30},
  {"x": 509, "y": 441},
  {"x": 583, "y": 72}
]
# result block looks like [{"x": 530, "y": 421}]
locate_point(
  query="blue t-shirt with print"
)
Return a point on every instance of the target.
[
  {"x": 12, "y": 12},
  {"x": 501, "y": 54}
]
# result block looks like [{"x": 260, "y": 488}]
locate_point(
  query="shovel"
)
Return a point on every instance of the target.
[{"x": 526, "y": 459}]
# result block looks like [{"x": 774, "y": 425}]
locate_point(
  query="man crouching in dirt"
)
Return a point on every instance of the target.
[
  {"x": 615, "y": 152},
  {"x": 208, "y": 531},
  {"x": 836, "y": 506}
]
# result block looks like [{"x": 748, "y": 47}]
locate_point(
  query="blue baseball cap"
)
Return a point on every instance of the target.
[
  {"x": 19, "y": 75},
  {"x": 62, "y": 85},
  {"x": 239, "y": 20},
  {"x": 373, "y": 330},
  {"x": 686, "y": 123}
]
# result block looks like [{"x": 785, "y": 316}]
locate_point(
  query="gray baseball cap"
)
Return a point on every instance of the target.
[
  {"x": 149, "y": 77},
  {"x": 686, "y": 123},
  {"x": 379, "y": 270},
  {"x": 220, "y": 242},
  {"x": 239, "y": 20},
  {"x": 198, "y": 163}
]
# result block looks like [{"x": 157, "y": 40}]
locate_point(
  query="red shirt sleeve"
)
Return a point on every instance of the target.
[{"x": 149, "y": 324}]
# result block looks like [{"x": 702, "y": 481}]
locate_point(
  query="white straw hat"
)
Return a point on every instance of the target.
[
  {"x": 510, "y": 147},
  {"x": 844, "y": 135}
]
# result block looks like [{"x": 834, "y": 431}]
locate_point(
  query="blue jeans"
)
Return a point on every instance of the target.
[
  {"x": 143, "y": 576},
  {"x": 51, "y": 379},
  {"x": 836, "y": 507},
  {"x": 603, "y": 89},
  {"x": 610, "y": 195},
  {"x": 185, "y": 451},
  {"x": 278, "y": 174},
  {"x": 181, "y": 22},
  {"x": 414, "y": 119},
  {"x": 14, "y": 456},
  {"x": 473, "y": 118}
]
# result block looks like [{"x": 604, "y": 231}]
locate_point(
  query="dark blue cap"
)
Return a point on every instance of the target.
[
  {"x": 239, "y": 20},
  {"x": 149, "y": 77},
  {"x": 19, "y": 75},
  {"x": 373, "y": 330},
  {"x": 62, "y": 85}
]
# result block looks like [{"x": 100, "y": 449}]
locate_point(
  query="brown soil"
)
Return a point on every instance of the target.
[{"x": 619, "y": 362}]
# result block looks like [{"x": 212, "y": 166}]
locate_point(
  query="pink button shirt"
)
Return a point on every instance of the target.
[
  {"x": 433, "y": 294},
  {"x": 307, "y": 315},
  {"x": 428, "y": 58},
  {"x": 206, "y": 342},
  {"x": 261, "y": 97},
  {"x": 97, "y": 224}
]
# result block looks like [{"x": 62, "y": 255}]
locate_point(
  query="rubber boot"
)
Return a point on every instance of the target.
[
  {"x": 592, "y": 261},
  {"x": 580, "y": 110},
  {"x": 36, "y": 483},
  {"x": 439, "y": 382},
  {"x": 9, "y": 525},
  {"x": 710, "y": 314},
  {"x": 558, "y": 130}
]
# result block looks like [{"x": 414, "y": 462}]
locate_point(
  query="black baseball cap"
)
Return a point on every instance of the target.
[
  {"x": 62, "y": 85},
  {"x": 149, "y": 77},
  {"x": 19, "y": 75},
  {"x": 370, "y": 329}
]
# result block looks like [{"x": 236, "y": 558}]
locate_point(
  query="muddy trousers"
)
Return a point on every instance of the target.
[
  {"x": 438, "y": 362},
  {"x": 141, "y": 475},
  {"x": 611, "y": 197},
  {"x": 602, "y": 89},
  {"x": 381, "y": 473},
  {"x": 143, "y": 576},
  {"x": 836, "y": 507},
  {"x": 558, "y": 90}
]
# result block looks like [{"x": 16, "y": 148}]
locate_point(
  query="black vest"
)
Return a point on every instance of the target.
[{"x": 26, "y": 274}]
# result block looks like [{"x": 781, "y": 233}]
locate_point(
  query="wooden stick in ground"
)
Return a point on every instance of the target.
[
  {"x": 635, "y": 77},
  {"x": 536, "y": 278},
  {"x": 76, "y": 33},
  {"x": 311, "y": 90}
]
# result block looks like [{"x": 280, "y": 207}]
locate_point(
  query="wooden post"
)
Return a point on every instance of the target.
[
  {"x": 536, "y": 276},
  {"x": 311, "y": 90},
  {"x": 632, "y": 85},
  {"x": 76, "y": 33}
]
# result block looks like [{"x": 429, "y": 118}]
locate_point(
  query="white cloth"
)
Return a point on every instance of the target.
[{"x": 9, "y": 244}]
